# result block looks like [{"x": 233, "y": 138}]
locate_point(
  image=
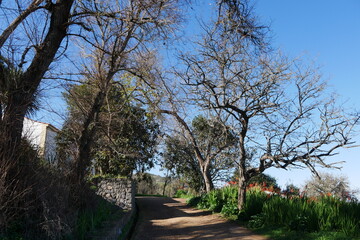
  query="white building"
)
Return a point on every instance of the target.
[{"x": 42, "y": 137}]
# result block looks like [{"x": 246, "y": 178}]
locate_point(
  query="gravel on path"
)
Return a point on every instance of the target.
[{"x": 170, "y": 218}]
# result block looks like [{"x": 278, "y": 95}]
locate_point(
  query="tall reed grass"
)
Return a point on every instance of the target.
[{"x": 296, "y": 213}]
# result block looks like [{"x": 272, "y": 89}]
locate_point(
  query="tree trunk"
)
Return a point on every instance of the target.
[
  {"x": 207, "y": 177},
  {"x": 243, "y": 178},
  {"x": 167, "y": 180},
  {"x": 87, "y": 135},
  {"x": 21, "y": 95},
  {"x": 242, "y": 188}
]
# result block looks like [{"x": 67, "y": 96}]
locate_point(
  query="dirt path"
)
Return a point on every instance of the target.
[{"x": 170, "y": 218}]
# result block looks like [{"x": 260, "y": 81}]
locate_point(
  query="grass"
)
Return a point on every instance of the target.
[
  {"x": 89, "y": 220},
  {"x": 150, "y": 195},
  {"x": 284, "y": 234},
  {"x": 280, "y": 217},
  {"x": 181, "y": 193}
]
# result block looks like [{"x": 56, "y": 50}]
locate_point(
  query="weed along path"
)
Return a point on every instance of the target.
[{"x": 170, "y": 218}]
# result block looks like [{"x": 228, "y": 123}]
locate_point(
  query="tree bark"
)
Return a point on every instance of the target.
[
  {"x": 87, "y": 135},
  {"x": 242, "y": 188},
  {"x": 22, "y": 95},
  {"x": 203, "y": 162},
  {"x": 205, "y": 171},
  {"x": 243, "y": 177}
]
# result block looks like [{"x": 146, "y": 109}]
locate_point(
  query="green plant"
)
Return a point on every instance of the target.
[
  {"x": 299, "y": 223},
  {"x": 257, "y": 221},
  {"x": 193, "y": 201},
  {"x": 91, "y": 219},
  {"x": 255, "y": 200},
  {"x": 296, "y": 216},
  {"x": 229, "y": 196},
  {"x": 181, "y": 193}
]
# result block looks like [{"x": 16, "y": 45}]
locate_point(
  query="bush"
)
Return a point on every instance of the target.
[
  {"x": 181, "y": 193},
  {"x": 34, "y": 197},
  {"x": 294, "y": 213},
  {"x": 255, "y": 200},
  {"x": 92, "y": 218},
  {"x": 323, "y": 214}
]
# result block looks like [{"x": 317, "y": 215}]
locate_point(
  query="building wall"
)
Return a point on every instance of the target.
[
  {"x": 42, "y": 137},
  {"x": 50, "y": 145},
  {"x": 35, "y": 132}
]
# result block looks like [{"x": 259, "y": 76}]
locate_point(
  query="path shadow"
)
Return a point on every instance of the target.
[{"x": 167, "y": 218}]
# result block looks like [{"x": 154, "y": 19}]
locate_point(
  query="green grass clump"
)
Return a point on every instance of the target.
[
  {"x": 182, "y": 193},
  {"x": 292, "y": 217},
  {"x": 91, "y": 219},
  {"x": 150, "y": 195},
  {"x": 310, "y": 215}
]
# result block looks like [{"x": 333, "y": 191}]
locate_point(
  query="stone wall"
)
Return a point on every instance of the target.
[{"x": 121, "y": 192}]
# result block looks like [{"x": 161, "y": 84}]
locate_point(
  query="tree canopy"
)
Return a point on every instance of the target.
[
  {"x": 126, "y": 135},
  {"x": 328, "y": 184}
]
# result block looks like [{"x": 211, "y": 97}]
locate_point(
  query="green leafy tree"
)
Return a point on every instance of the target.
[
  {"x": 180, "y": 159},
  {"x": 205, "y": 156},
  {"x": 264, "y": 179},
  {"x": 126, "y": 135}
]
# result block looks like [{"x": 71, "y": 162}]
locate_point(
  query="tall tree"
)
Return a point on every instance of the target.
[
  {"x": 121, "y": 43},
  {"x": 180, "y": 160},
  {"x": 126, "y": 136},
  {"x": 23, "y": 64},
  {"x": 276, "y": 106},
  {"x": 205, "y": 148},
  {"x": 328, "y": 184}
]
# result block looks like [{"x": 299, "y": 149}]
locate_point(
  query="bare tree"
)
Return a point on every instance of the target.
[
  {"x": 328, "y": 184},
  {"x": 277, "y": 108},
  {"x": 120, "y": 43},
  {"x": 23, "y": 64}
]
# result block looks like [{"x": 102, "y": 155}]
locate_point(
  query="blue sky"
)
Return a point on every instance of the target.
[
  {"x": 324, "y": 31},
  {"x": 327, "y": 32}
]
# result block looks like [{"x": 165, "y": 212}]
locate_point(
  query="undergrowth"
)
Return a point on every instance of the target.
[
  {"x": 91, "y": 219},
  {"x": 323, "y": 218}
]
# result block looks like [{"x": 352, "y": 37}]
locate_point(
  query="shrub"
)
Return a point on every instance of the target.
[
  {"x": 229, "y": 196},
  {"x": 255, "y": 199},
  {"x": 34, "y": 197},
  {"x": 294, "y": 213},
  {"x": 181, "y": 193},
  {"x": 92, "y": 218},
  {"x": 193, "y": 201}
]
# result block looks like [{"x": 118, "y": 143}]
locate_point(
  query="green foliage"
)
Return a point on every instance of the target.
[
  {"x": 323, "y": 214},
  {"x": 229, "y": 196},
  {"x": 125, "y": 137},
  {"x": 261, "y": 179},
  {"x": 193, "y": 201},
  {"x": 212, "y": 139},
  {"x": 257, "y": 221},
  {"x": 181, "y": 193},
  {"x": 91, "y": 219},
  {"x": 293, "y": 214},
  {"x": 255, "y": 199},
  {"x": 179, "y": 158}
]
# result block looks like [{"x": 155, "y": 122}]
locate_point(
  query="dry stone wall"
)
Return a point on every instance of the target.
[{"x": 121, "y": 192}]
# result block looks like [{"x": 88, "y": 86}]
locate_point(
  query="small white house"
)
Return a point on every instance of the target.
[{"x": 42, "y": 137}]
